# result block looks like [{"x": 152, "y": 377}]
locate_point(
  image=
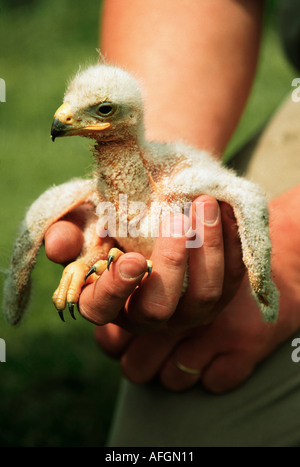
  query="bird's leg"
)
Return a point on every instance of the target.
[
  {"x": 76, "y": 275},
  {"x": 113, "y": 255},
  {"x": 96, "y": 270},
  {"x": 100, "y": 266},
  {"x": 71, "y": 283}
]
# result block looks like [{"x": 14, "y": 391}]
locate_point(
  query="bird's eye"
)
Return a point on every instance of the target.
[{"x": 106, "y": 109}]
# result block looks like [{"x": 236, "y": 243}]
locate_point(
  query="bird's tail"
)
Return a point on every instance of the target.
[{"x": 52, "y": 205}]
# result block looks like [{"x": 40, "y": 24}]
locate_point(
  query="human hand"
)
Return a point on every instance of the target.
[
  {"x": 225, "y": 352},
  {"x": 215, "y": 271},
  {"x": 220, "y": 355}
]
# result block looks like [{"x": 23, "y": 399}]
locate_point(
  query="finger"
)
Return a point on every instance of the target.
[
  {"x": 234, "y": 265},
  {"x": 207, "y": 263},
  {"x": 112, "y": 339},
  {"x": 206, "y": 266},
  {"x": 184, "y": 366},
  {"x": 63, "y": 242},
  {"x": 145, "y": 355},
  {"x": 102, "y": 301},
  {"x": 155, "y": 301},
  {"x": 227, "y": 371}
]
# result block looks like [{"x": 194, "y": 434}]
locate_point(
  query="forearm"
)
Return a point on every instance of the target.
[
  {"x": 196, "y": 58},
  {"x": 285, "y": 234}
]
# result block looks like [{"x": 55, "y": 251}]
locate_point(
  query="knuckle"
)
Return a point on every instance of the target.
[
  {"x": 115, "y": 291},
  {"x": 94, "y": 315},
  {"x": 94, "y": 310},
  {"x": 91, "y": 315},
  {"x": 209, "y": 295},
  {"x": 174, "y": 259},
  {"x": 156, "y": 312}
]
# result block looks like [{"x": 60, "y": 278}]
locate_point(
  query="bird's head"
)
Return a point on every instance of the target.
[{"x": 102, "y": 102}]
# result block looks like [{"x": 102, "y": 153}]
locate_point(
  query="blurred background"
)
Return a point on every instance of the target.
[{"x": 57, "y": 388}]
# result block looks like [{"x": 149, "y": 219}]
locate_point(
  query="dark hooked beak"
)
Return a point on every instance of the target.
[
  {"x": 65, "y": 124},
  {"x": 59, "y": 128},
  {"x": 62, "y": 121}
]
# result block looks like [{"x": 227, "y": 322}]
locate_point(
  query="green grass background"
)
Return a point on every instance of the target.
[{"x": 57, "y": 388}]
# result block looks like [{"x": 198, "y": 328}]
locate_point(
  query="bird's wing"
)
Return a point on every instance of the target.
[
  {"x": 52, "y": 205},
  {"x": 251, "y": 212}
]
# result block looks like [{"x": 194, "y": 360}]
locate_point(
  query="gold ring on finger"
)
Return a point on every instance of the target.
[{"x": 186, "y": 369}]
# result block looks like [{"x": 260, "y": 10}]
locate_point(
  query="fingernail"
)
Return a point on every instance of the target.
[
  {"x": 131, "y": 269},
  {"x": 211, "y": 213}
]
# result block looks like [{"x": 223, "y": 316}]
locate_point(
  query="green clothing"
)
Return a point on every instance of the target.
[{"x": 263, "y": 412}]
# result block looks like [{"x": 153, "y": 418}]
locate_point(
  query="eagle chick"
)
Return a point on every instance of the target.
[{"x": 104, "y": 103}]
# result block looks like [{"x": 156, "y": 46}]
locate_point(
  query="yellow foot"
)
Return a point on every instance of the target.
[
  {"x": 70, "y": 286},
  {"x": 101, "y": 265},
  {"x": 97, "y": 269},
  {"x": 149, "y": 266},
  {"x": 76, "y": 275},
  {"x": 113, "y": 255}
]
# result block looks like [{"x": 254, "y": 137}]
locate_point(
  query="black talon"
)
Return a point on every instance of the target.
[
  {"x": 91, "y": 271},
  {"x": 71, "y": 309},
  {"x": 109, "y": 260},
  {"x": 149, "y": 270},
  {"x": 61, "y": 315}
]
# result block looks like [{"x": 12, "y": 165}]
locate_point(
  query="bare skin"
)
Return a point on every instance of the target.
[
  {"x": 160, "y": 311},
  {"x": 228, "y": 349},
  {"x": 196, "y": 68},
  {"x": 193, "y": 97}
]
